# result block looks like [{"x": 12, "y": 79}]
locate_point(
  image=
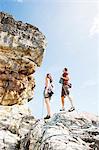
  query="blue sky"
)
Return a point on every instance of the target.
[{"x": 72, "y": 31}]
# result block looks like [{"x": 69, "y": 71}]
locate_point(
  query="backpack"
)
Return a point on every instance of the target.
[{"x": 61, "y": 81}]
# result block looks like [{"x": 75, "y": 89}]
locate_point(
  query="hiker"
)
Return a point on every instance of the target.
[
  {"x": 48, "y": 92},
  {"x": 64, "y": 80}
]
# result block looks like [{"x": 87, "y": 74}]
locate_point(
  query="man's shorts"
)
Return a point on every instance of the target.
[{"x": 65, "y": 91}]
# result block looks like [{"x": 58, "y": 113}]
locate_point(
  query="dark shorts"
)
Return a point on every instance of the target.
[
  {"x": 47, "y": 95},
  {"x": 64, "y": 91}
]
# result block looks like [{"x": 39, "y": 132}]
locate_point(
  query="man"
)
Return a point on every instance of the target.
[{"x": 65, "y": 90}]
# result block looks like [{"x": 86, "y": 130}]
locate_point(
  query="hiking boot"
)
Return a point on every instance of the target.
[
  {"x": 71, "y": 109},
  {"x": 63, "y": 109},
  {"x": 47, "y": 117}
]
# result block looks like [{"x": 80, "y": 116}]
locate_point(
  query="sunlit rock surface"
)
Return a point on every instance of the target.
[
  {"x": 15, "y": 123},
  {"x": 21, "y": 51},
  {"x": 19, "y": 130},
  {"x": 71, "y": 131}
]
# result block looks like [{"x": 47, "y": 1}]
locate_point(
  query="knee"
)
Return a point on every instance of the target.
[
  {"x": 70, "y": 98},
  {"x": 62, "y": 97},
  {"x": 46, "y": 100}
]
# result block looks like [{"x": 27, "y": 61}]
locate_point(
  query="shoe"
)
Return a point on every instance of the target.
[
  {"x": 47, "y": 117},
  {"x": 63, "y": 109},
  {"x": 71, "y": 109}
]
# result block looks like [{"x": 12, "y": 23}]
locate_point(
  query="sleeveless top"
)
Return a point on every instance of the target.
[{"x": 49, "y": 85}]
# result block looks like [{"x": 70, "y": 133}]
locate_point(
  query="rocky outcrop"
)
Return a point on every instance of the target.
[
  {"x": 71, "y": 131},
  {"x": 21, "y": 51},
  {"x": 15, "y": 123},
  {"x": 19, "y": 130}
]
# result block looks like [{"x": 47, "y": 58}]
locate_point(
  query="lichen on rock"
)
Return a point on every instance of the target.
[{"x": 21, "y": 51}]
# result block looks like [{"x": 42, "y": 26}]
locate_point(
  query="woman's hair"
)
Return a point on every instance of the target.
[{"x": 50, "y": 77}]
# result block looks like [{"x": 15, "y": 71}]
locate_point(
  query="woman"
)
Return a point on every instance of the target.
[
  {"x": 65, "y": 90},
  {"x": 48, "y": 92}
]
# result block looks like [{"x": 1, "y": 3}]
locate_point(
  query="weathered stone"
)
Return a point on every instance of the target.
[
  {"x": 15, "y": 124},
  {"x": 21, "y": 51},
  {"x": 64, "y": 131},
  {"x": 70, "y": 131}
]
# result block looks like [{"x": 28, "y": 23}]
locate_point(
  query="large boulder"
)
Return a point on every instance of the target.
[
  {"x": 71, "y": 131},
  {"x": 21, "y": 51},
  {"x": 15, "y": 124},
  {"x": 19, "y": 130}
]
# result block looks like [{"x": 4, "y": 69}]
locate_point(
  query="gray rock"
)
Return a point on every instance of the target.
[{"x": 64, "y": 131}]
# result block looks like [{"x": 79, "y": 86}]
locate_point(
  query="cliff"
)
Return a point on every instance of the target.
[{"x": 21, "y": 51}]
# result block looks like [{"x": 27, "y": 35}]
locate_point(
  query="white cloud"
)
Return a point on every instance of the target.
[
  {"x": 89, "y": 83},
  {"x": 20, "y": 1},
  {"x": 95, "y": 26}
]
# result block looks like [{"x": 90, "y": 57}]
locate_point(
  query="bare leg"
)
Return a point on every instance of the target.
[
  {"x": 62, "y": 101},
  {"x": 47, "y": 101},
  {"x": 70, "y": 99}
]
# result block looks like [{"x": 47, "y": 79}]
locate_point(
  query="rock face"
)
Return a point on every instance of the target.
[
  {"x": 71, "y": 131},
  {"x": 15, "y": 123},
  {"x": 19, "y": 130},
  {"x": 21, "y": 51}
]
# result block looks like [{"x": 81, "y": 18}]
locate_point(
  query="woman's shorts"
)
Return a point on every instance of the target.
[
  {"x": 47, "y": 95},
  {"x": 65, "y": 91}
]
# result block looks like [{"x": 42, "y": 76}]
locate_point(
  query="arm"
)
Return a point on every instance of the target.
[
  {"x": 65, "y": 78},
  {"x": 46, "y": 85}
]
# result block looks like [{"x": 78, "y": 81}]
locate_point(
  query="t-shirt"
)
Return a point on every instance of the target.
[{"x": 65, "y": 82}]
